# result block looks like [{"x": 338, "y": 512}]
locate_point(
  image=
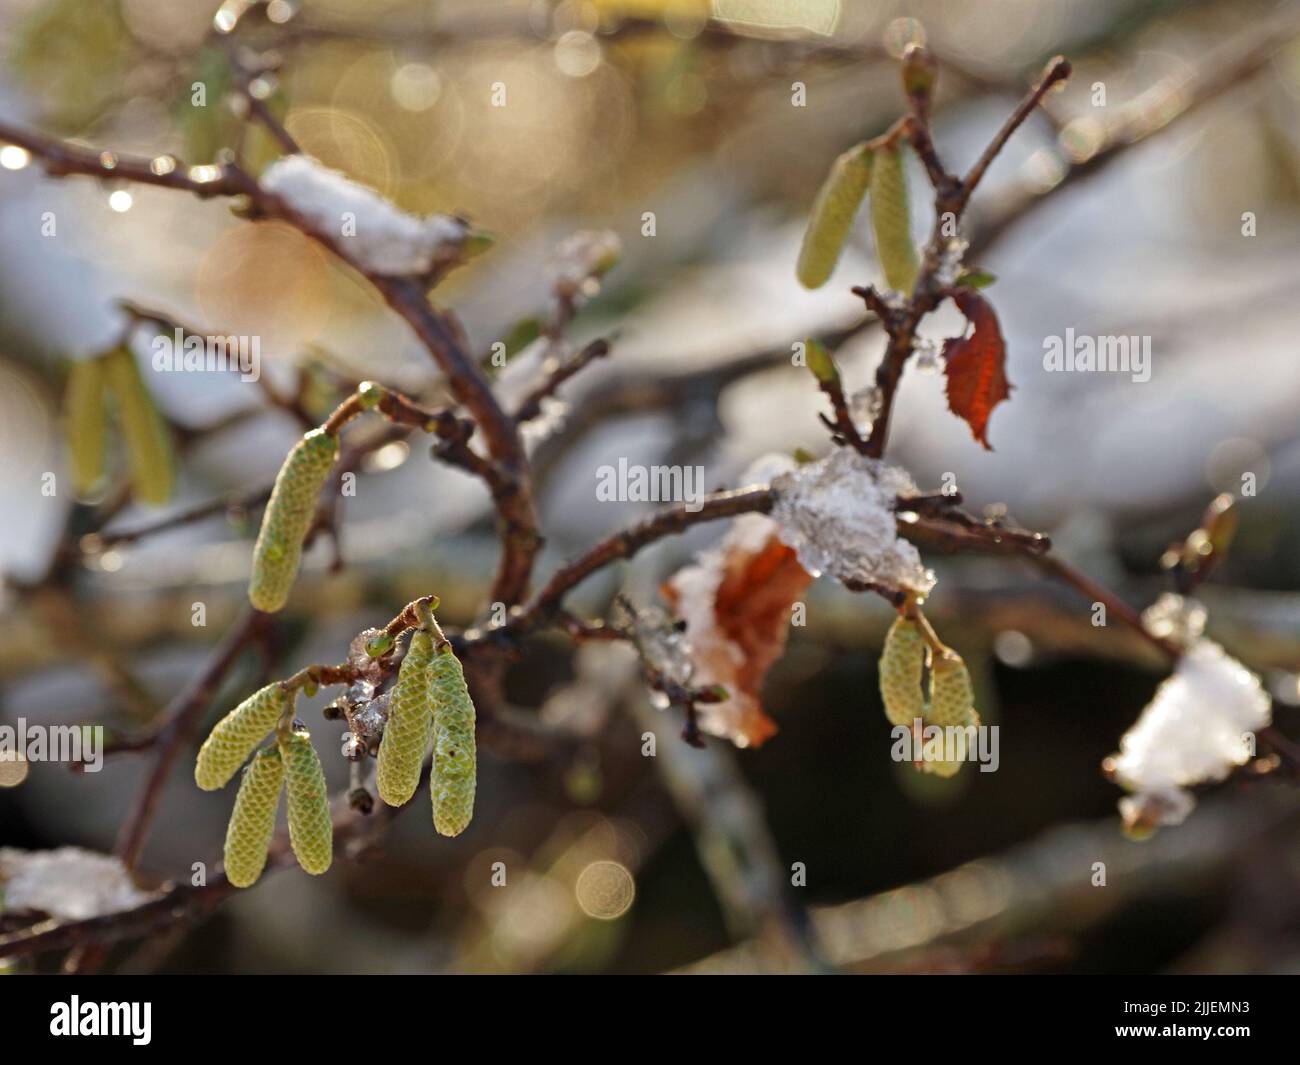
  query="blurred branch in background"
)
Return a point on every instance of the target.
[{"x": 1037, "y": 904}]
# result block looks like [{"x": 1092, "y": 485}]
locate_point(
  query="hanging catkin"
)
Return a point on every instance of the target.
[
  {"x": 952, "y": 706},
  {"x": 311, "y": 832},
  {"x": 454, "y": 756},
  {"x": 252, "y": 821},
  {"x": 832, "y": 215},
  {"x": 891, "y": 220},
  {"x": 287, "y": 518},
  {"x": 148, "y": 443},
  {"x": 85, "y": 423},
  {"x": 235, "y": 736},
  {"x": 409, "y": 726},
  {"x": 902, "y": 661}
]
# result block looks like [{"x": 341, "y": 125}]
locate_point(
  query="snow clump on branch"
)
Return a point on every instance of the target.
[
  {"x": 1195, "y": 730},
  {"x": 378, "y": 235},
  {"x": 68, "y": 883},
  {"x": 838, "y": 514}
]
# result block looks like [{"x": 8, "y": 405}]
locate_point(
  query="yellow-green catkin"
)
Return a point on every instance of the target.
[
  {"x": 145, "y": 434},
  {"x": 952, "y": 705},
  {"x": 455, "y": 757},
  {"x": 832, "y": 215},
  {"x": 409, "y": 725},
  {"x": 85, "y": 423},
  {"x": 311, "y": 832},
  {"x": 891, "y": 220},
  {"x": 287, "y": 518},
  {"x": 236, "y": 735},
  {"x": 902, "y": 662},
  {"x": 252, "y": 821}
]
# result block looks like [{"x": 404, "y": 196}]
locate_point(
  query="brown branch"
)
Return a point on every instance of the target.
[
  {"x": 520, "y": 538},
  {"x": 1156, "y": 111},
  {"x": 1091, "y": 590},
  {"x": 531, "y": 406},
  {"x": 61, "y": 159},
  {"x": 93, "y": 543},
  {"x": 245, "y": 75},
  {"x": 628, "y": 542},
  {"x": 1058, "y": 69}
]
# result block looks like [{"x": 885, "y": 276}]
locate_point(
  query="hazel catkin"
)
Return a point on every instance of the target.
[
  {"x": 832, "y": 215},
  {"x": 891, "y": 220},
  {"x": 235, "y": 736},
  {"x": 902, "y": 662},
  {"x": 148, "y": 442},
  {"x": 452, "y": 781},
  {"x": 287, "y": 518},
  {"x": 409, "y": 726},
  {"x": 85, "y": 423},
  {"x": 952, "y": 706},
  {"x": 311, "y": 831},
  {"x": 252, "y": 821}
]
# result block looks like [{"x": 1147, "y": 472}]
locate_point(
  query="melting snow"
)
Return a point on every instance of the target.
[
  {"x": 838, "y": 514},
  {"x": 379, "y": 236}
]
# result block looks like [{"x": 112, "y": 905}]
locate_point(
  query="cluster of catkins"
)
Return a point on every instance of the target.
[
  {"x": 949, "y": 700},
  {"x": 430, "y": 702},
  {"x": 291, "y": 764},
  {"x": 873, "y": 171}
]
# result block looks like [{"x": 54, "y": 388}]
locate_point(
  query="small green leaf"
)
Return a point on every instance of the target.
[
  {"x": 820, "y": 362},
  {"x": 519, "y": 336},
  {"x": 378, "y": 646},
  {"x": 976, "y": 278},
  {"x": 476, "y": 243}
]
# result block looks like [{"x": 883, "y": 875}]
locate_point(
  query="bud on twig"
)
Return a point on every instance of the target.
[{"x": 919, "y": 71}]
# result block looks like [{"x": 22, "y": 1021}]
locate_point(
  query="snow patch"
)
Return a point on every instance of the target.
[
  {"x": 1193, "y": 731},
  {"x": 838, "y": 514},
  {"x": 69, "y": 883},
  {"x": 386, "y": 240}
]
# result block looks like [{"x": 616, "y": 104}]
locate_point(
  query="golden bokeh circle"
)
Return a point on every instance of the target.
[{"x": 605, "y": 890}]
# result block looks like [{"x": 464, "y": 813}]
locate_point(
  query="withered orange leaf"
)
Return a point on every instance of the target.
[
  {"x": 736, "y": 602},
  {"x": 975, "y": 365}
]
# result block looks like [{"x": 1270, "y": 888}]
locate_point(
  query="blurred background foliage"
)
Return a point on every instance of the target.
[{"x": 682, "y": 108}]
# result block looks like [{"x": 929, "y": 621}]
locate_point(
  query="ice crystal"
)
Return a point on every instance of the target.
[
  {"x": 68, "y": 883},
  {"x": 950, "y": 260},
  {"x": 1171, "y": 617},
  {"x": 928, "y": 359},
  {"x": 379, "y": 236},
  {"x": 662, "y": 643},
  {"x": 552, "y": 416},
  {"x": 865, "y": 407},
  {"x": 580, "y": 260},
  {"x": 1195, "y": 730}
]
